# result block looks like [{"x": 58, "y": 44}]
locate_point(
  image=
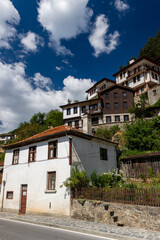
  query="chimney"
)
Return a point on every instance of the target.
[
  {"x": 132, "y": 61},
  {"x": 87, "y": 125}
]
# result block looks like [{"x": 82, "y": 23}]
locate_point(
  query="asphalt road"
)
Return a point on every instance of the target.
[{"x": 14, "y": 230}]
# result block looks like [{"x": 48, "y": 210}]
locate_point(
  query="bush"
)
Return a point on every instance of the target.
[{"x": 130, "y": 186}]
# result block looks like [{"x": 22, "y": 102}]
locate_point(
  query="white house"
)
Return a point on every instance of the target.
[
  {"x": 35, "y": 168},
  {"x": 141, "y": 75}
]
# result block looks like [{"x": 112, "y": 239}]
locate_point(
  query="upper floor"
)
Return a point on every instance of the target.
[
  {"x": 99, "y": 86},
  {"x": 138, "y": 73}
]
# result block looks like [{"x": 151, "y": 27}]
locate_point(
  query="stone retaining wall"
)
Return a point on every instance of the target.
[{"x": 115, "y": 213}]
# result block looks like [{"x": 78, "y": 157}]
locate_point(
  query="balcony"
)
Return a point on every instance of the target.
[{"x": 97, "y": 110}]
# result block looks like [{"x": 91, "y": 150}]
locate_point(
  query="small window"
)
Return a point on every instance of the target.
[
  {"x": 156, "y": 76},
  {"x": 117, "y": 118},
  {"x": 120, "y": 75},
  {"x": 75, "y": 110},
  {"x": 103, "y": 154},
  {"x": 51, "y": 183},
  {"x": 138, "y": 78},
  {"x": 108, "y": 119},
  {"x": 134, "y": 80},
  {"x": 142, "y": 90},
  {"x": 116, "y": 104},
  {"x": 107, "y": 95},
  {"x": 124, "y": 104},
  {"x": 77, "y": 123},
  {"x": 115, "y": 95},
  {"x": 68, "y": 111},
  {"x": 107, "y": 105},
  {"x": 15, "y": 156},
  {"x": 83, "y": 109},
  {"x": 9, "y": 195},
  {"x": 95, "y": 121},
  {"x": 154, "y": 92},
  {"x": 52, "y": 149},
  {"x": 124, "y": 94},
  {"x": 32, "y": 154},
  {"x": 126, "y": 118},
  {"x": 70, "y": 124}
]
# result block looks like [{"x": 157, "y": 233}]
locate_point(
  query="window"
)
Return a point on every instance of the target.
[
  {"x": 103, "y": 154},
  {"x": 120, "y": 75},
  {"x": 134, "y": 80},
  {"x": 52, "y": 149},
  {"x": 154, "y": 92},
  {"x": 83, "y": 109},
  {"x": 75, "y": 110},
  {"x": 68, "y": 111},
  {"x": 51, "y": 183},
  {"x": 142, "y": 90},
  {"x": 115, "y": 95},
  {"x": 108, "y": 119},
  {"x": 9, "y": 195},
  {"x": 107, "y": 105},
  {"x": 32, "y": 154},
  {"x": 77, "y": 123},
  {"x": 124, "y": 94},
  {"x": 70, "y": 124},
  {"x": 117, "y": 118},
  {"x": 116, "y": 105},
  {"x": 138, "y": 78},
  {"x": 15, "y": 156},
  {"x": 107, "y": 95},
  {"x": 95, "y": 120},
  {"x": 124, "y": 104},
  {"x": 126, "y": 118},
  {"x": 156, "y": 76}
]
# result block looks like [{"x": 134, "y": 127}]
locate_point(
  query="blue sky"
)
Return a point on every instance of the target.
[{"x": 54, "y": 50}]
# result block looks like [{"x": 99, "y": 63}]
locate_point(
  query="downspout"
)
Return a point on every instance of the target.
[
  {"x": 70, "y": 164},
  {"x": 4, "y": 184}
]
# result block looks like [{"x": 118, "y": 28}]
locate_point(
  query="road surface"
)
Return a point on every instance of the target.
[{"x": 14, "y": 230}]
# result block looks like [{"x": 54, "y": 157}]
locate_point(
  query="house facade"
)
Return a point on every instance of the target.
[
  {"x": 35, "y": 169},
  {"x": 141, "y": 75}
]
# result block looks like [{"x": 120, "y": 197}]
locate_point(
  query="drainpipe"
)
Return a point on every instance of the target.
[
  {"x": 4, "y": 184},
  {"x": 70, "y": 151}
]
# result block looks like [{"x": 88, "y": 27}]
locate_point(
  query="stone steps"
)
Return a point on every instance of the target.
[{"x": 112, "y": 218}]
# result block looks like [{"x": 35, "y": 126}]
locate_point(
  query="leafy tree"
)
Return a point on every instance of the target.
[
  {"x": 54, "y": 118},
  {"x": 38, "y": 118},
  {"x": 143, "y": 135},
  {"x": 140, "y": 109},
  {"x": 107, "y": 133},
  {"x": 69, "y": 101},
  {"x": 152, "y": 48}
]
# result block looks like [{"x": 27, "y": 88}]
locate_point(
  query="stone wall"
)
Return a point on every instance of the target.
[{"x": 115, "y": 213}]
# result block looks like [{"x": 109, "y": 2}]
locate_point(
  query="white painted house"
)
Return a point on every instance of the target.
[{"x": 35, "y": 168}]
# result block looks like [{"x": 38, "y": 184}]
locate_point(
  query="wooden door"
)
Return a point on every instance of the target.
[{"x": 23, "y": 199}]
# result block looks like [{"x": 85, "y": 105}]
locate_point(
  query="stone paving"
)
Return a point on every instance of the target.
[{"x": 109, "y": 231}]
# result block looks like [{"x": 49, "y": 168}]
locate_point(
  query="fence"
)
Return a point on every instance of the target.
[{"x": 147, "y": 197}]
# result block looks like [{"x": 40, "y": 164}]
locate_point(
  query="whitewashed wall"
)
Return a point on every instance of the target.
[
  {"x": 35, "y": 175},
  {"x": 86, "y": 154}
]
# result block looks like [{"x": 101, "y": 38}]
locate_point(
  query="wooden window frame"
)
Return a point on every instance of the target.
[
  {"x": 51, "y": 176},
  {"x": 103, "y": 151},
  {"x": 7, "y": 193},
  {"x": 15, "y": 161},
  {"x": 32, "y": 152},
  {"x": 75, "y": 110},
  {"x": 53, "y": 148},
  {"x": 68, "y": 111}
]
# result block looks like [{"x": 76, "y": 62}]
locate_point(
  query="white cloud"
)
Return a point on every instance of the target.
[
  {"x": 99, "y": 40},
  {"x": 9, "y": 17},
  {"x": 64, "y": 19},
  {"x": 31, "y": 41},
  {"x": 58, "y": 68},
  {"x": 121, "y": 6},
  {"x": 65, "y": 61},
  {"x": 19, "y": 100}
]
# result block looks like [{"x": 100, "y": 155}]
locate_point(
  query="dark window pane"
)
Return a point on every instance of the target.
[
  {"x": 125, "y": 104},
  {"x": 126, "y": 118},
  {"x": 107, "y": 105},
  {"x": 116, "y": 104},
  {"x": 107, "y": 95},
  {"x": 108, "y": 119},
  {"x": 115, "y": 95},
  {"x": 103, "y": 154},
  {"x": 117, "y": 118},
  {"x": 68, "y": 111}
]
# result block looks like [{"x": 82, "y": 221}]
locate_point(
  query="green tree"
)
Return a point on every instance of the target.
[
  {"x": 143, "y": 135},
  {"x": 152, "y": 48},
  {"x": 54, "y": 118},
  {"x": 140, "y": 109},
  {"x": 38, "y": 118}
]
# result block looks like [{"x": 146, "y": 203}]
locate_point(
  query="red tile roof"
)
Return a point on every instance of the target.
[{"x": 51, "y": 133}]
